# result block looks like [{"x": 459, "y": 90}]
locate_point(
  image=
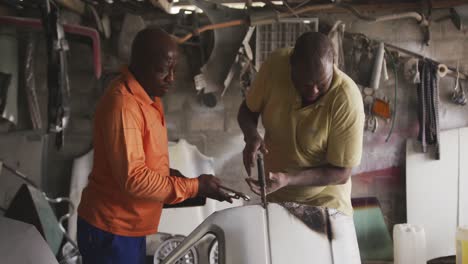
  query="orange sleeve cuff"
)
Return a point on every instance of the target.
[{"x": 193, "y": 186}]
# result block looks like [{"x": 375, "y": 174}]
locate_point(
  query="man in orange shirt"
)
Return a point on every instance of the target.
[{"x": 131, "y": 180}]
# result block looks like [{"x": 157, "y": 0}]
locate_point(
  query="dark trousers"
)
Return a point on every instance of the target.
[{"x": 101, "y": 247}]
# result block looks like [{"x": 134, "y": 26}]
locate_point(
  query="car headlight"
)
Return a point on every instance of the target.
[{"x": 169, "y": 245}]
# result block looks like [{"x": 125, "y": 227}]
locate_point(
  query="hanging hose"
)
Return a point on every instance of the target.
[
  {"x": 394, "y": 67},
  {"x": 428, "y": 98}
]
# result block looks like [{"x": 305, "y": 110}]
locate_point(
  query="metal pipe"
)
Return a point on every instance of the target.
[
  {"x": 73, "y": 29},
  {"x": 261, "y": 179},
  {"x": 377, "y": 70},
  {"x": 20, "y": 174},
  {"x": 418, "y": 17}
]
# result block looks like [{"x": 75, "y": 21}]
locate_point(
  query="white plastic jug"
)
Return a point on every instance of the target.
[{"x": 409, "y": 244}]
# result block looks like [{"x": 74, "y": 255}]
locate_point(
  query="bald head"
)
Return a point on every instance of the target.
[
  {"x": 151, "y": 44},
  {"x": 313, "y": 48},
  {"x": 153, "y": 59},
  {"x": 312, "y": 66}
]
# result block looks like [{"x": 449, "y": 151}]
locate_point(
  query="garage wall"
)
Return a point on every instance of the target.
[{"x": 215, "y": 132}]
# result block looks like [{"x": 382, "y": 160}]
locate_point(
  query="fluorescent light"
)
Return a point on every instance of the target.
[{"x": 176, "y": 9}]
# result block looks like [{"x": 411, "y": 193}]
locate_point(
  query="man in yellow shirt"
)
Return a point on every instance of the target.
[{"x": 314, "y": 118}]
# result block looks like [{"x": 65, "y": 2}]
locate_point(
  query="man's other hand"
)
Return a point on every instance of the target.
[
  {"x": 252, "y": 146},
  {"x": 275, "y": 182},
  {"x": 209, "y": 186}
]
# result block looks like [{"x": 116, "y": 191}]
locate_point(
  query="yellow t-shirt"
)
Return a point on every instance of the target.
[{"x": 330, "y": 131}]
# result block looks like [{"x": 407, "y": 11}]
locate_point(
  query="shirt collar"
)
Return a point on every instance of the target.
[{"x": 135, "y": 88}]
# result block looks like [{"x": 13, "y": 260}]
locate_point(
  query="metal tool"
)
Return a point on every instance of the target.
[
  {"x": 458, "y": 96},
  {"x": 261, "y": 179},
  {"x": 235, "y": 194}
]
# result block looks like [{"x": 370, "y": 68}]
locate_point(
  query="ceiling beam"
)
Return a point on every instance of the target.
[{"x": 382, "y": 6}]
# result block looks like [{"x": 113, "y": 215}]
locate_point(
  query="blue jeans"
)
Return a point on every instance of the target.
[{"x": 101, "y": 247}]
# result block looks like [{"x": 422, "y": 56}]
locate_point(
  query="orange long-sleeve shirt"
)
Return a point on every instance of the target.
[{"x": 130, "y": 180}]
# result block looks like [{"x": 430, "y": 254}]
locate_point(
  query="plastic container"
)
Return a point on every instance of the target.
[
  {"x": 462, "y": 245},
  {"x": 409, "y": 244}
]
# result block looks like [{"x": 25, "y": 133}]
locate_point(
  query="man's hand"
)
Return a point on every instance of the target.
[
  {"x": 208, "y": 186},
  {"x": 252, "y": 146},
  {"x": 275, "y": 182}
]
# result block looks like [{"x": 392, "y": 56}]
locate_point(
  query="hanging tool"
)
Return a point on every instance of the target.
[
  {"x": 458, "y": 95},
  {"x": 428, "y": 98},
  {"x": 371, "y": 123},
  {"x": 235, "y": 194},
  {"x": 262, "y": 179},
  {"x": 57, "y": 72}
]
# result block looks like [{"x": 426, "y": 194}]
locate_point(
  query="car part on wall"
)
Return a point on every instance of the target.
[
  {"x": 411, "y": 70},
  {"x": 30, "y": 82},
  {"x": 243, "y": 65},
  {"x": 458, "y": 95},
  {"x": 58, "y": 84},
  {"x": 226, "y": 44},
  {"x": 459, "y": 15},
  {"x": 381, "y": 108},
  {"x": 131, "y": 25},
  {"x": 336, "y": 36},
  {"x": 57, "y": 77},
  {"x": 5, "y": 79},
  {"x": 9, "y": 67},
  {"x": 86, "y": 32}
]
